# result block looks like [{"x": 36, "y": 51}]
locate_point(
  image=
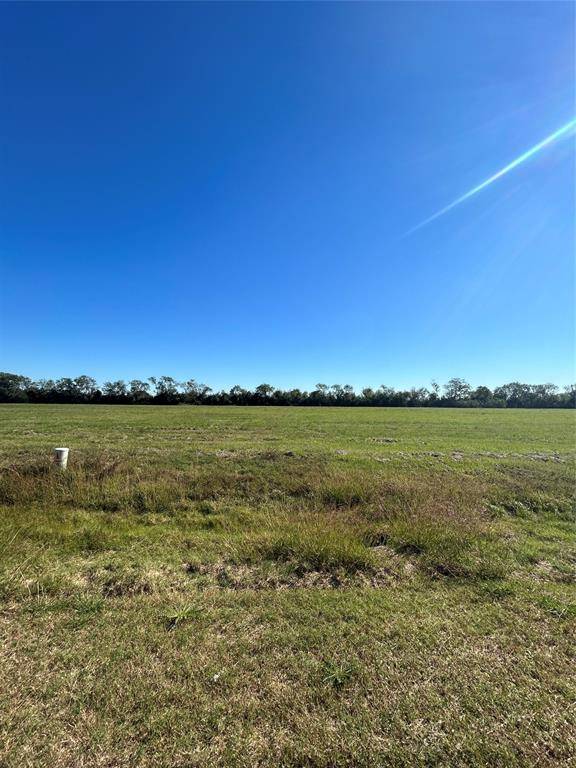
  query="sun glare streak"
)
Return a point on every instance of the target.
[{"x": 561, "y": 132}]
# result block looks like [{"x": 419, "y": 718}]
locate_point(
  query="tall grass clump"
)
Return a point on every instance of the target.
[
  {"x": 448, "y": 545},
  {"x": 101, "y": 483},
  {"x": 305, "y": 548}
]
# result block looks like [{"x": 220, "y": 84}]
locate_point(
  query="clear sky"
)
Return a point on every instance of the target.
[{"x": 223, "y": 191}]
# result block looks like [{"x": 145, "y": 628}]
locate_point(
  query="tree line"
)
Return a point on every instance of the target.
[{"x": 164, "y": 390}]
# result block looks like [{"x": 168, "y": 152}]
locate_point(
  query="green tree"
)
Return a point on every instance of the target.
[
  {"x": 457, "y": 389},
  {"x": 264, "y": 391},
  {"x": 13, "y": 387},
  {"x": 115, "y": 390},
  {"x": 139, "y": 390}
]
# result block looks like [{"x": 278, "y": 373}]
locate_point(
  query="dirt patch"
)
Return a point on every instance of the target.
[
  {"x": 243, "y": 577},
  {"x": 458, "y": 455}
]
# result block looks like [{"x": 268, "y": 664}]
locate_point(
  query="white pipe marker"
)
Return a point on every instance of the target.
[{"x": 61, "y": 457}]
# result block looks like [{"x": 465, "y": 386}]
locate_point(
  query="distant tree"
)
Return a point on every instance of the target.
[
  {"x": 482, "y": 396},
  {"x": 386, "y": 391},
  {"x": 263, "y": 391},
  {"x": 320, "y": 395},
  {"x": 139, "y": 391},
  {"x": 238, "y": 395},
  {"x": 13, "y": 388},
  {"x": 85, "y": 386},
  {"x": 515, "y": 394},
  {"x": 42, "y": 391},
  {"x": 387, "y": 396},
  {"x": 348, "y": 393},
  {"x": 115, "y": 391},
  {"x": 295, "y": 396},
  {"x": 457, "y": 389},
  {"x": 336, "y": 392},
  {"x": 545, "y": 394},
  {"x": 166, "y": 390},
  {"x": 417, "y": 396},
  {"x": 568, "y": 398},
  {"x": 66, "y": 390},
  {"x": 278, "y": 397},
  {"x": 368, "y": 395},
  {"x": 194, "y": 392}
]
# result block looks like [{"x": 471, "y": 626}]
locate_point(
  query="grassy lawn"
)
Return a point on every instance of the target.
[{"x": 287, "y": 587}]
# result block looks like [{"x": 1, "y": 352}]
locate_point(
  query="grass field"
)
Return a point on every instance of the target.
[{"x": 287, "y": 587}]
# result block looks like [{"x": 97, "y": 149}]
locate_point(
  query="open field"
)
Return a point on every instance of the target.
[{"x": 287, "y": 587}]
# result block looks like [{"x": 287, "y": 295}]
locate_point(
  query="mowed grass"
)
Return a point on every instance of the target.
[{"x": 287, "y": 587}]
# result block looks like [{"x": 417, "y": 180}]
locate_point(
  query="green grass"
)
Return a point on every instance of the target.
[{"x": 287, "y": 587}]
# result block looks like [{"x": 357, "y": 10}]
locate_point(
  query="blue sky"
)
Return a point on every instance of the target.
[{"x": 222, "y": 191}]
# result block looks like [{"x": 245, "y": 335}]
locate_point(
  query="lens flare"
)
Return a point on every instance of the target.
[{"x": 561, "y": 132}]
